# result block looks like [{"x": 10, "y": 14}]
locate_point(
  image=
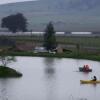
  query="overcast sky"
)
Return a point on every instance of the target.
[{"x": 11, "y": 1}]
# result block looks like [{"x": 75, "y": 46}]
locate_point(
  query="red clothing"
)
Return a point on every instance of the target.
[{"x": 86, "y": 67}]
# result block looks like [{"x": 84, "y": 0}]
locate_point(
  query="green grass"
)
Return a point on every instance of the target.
[
  {"x": 6, "y": 72},
  {"x": 85, "y": 41},
  {"x": 93, "y": 42},
  {"x": 75, "y": 55}
]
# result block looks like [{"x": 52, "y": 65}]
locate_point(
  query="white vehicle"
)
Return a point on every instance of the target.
[{"x": 40, "y": 50}]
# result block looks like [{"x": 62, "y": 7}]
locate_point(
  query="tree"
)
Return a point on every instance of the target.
[
  {"x": 49, "y": 37},
  {"x": 5, "y": 60},
  {"x": 15, "y": 23},
  {"x": 78, "y": 48}
]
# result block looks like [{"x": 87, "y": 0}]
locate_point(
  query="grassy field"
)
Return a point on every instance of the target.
[
  {"x": 86, "y": 41},
  {"x": 91, "y": 43},
  {"x": 89, "y": 47}
]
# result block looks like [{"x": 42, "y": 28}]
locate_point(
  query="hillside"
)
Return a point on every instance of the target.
[{"x": 67, "y": 15}]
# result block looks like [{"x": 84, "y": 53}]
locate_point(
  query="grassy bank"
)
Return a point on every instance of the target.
[
  {"x": 75, "y": 55},
  {"x": 6, "y": 72}
]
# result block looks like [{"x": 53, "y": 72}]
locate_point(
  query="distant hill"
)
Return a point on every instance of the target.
[{"x": 67, "y": 15}]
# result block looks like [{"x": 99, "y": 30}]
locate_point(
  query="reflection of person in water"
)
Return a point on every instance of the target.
[{"x": 94, "y": 78}]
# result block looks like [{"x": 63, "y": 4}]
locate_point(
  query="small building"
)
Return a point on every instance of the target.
[{"x": 59, "y": 49}]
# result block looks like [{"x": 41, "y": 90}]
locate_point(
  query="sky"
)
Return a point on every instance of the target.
[{"x": 12, "y": 1}]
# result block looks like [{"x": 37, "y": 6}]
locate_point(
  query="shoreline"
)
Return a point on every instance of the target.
[{"x": 74, "y": 55}]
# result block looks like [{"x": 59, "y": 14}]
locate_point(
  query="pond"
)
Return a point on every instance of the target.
[{"x": 50, "y": 79}]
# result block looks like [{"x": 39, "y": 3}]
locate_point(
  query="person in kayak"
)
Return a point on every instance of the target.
[
  {"x": 86, "y": 67},
  {"x": 94, "y": 78}
]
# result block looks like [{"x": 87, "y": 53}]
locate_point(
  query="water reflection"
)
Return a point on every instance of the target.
[
  {"x": 3, "y": 89},
  {"x": 49, "y": 68},
  {"x": 50, "y": 79}
]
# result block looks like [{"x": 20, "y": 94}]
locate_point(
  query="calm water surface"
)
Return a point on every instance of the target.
[{"x": 50, "y": 79}]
